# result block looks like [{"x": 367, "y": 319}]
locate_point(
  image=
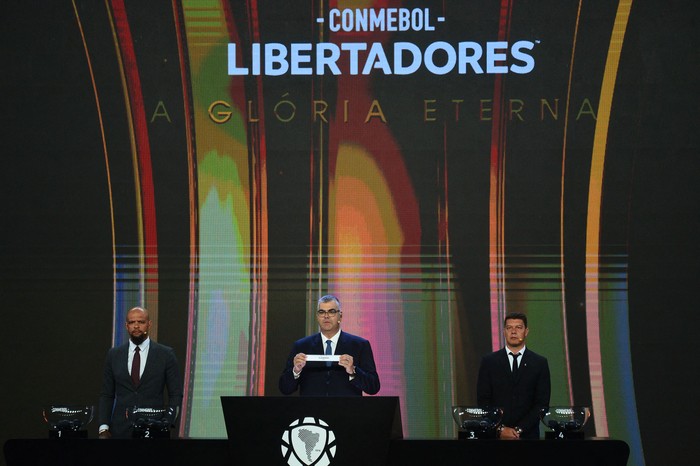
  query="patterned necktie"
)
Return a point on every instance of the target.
[
  {"x": 136, "y": 367},
  {"x": 515, "y": 363},
  {"x": 329, "y": 351}
]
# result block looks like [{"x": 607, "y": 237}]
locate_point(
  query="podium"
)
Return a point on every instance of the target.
[{"x": 311, "y": 430}]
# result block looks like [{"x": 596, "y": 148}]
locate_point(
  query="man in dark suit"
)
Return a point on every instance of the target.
[
  {"x": 136, "y": 374},
  {"x": 353, "y": 373},
  {"x": 516, "y": 379}
]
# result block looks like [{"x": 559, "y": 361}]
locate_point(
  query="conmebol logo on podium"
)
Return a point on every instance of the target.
[
  {"x": 308, "y": 442},
  {"x": 311, "y": 430}
]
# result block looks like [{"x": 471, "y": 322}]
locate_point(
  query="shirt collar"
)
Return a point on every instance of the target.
[
  {"x": 334, "y": 338},
  {"x": 142, "y": 347},
  {"x": 522, "y": 350}
]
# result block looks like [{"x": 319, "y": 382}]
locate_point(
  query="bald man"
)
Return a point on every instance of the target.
[{"x": 126, "y": 384}]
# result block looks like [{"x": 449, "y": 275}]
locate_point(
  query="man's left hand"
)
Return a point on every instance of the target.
[{"x": 348, "y": 363}]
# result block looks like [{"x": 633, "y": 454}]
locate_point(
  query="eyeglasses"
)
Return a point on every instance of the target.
[{"x": 329, "y": 312}]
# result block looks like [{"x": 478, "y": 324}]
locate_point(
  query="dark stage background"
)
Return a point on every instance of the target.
[{"x": 137, "y": 171}]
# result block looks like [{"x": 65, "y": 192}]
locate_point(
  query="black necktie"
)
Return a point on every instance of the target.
[
  {"x": 136, "y": 366},
  {"x": 515, "y": 363},
  {"x": 329, "y": 351}
]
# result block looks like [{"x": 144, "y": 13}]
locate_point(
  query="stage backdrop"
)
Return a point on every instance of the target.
[{"x": 435, "y": 164}]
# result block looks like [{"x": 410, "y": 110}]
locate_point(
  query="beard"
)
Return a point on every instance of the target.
[{"x": 139, "y": 339}]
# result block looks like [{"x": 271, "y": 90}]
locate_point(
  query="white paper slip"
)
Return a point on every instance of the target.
[{"x": 322, "y": 357}]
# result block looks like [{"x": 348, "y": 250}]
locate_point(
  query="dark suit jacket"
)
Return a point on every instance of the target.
[
  {"x": 522, "y": 398},
  {"x": 119, "y": 393},
  {"x": 319, "y": 380}
]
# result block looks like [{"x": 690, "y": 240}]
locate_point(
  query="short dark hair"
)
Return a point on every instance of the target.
[
  {"x": 328, "y": 298},
  {"x": 515, "y": 315}
]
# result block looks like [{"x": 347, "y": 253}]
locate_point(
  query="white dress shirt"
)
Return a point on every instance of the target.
[{"x": 510, "y": 356}]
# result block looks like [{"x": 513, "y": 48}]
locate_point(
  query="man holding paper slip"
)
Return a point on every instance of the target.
[{"x": 332, "y": 362}]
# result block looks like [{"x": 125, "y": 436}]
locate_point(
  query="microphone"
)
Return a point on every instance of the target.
[{"x": 521, "y": 340}]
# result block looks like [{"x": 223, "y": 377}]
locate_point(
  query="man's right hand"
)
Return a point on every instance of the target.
[
  {"x": 508, "y": 433},
  {"x": 299, "y": 362}
]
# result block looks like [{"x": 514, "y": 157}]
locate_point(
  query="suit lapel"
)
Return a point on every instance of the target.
[
  {"x": 123, "y": 360},
  {"x": 318, "y": 344},
  {"x": 342, "y": 341},
  {"x": 505, "y": 363},
  {"x": 524, "y": 360}
]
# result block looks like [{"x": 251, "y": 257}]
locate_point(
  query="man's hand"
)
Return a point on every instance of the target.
[
  {"x": 508, "y": 433},
  {"x": 105, "y": 434},
  {"x": 348, "y": 363},
  {"x": 299, "y": 362}
]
